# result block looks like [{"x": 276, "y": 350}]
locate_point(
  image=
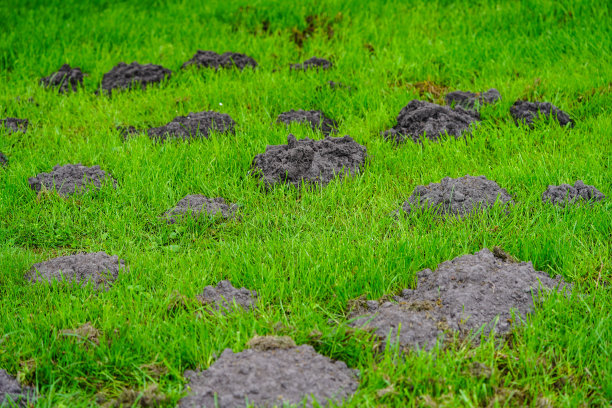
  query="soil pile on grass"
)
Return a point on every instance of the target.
[
  {"x": 12, "y": 394},
  {"x": 224, "y": 295},
  {"x": 124, "y": 76},
  {"x": 3, "y": 160},
  {"x": 468, "y": 100},
  {"x": 98, "y": 267},
  {"x": 421, "y": 119},
  {"x": 194, "y": 125},
  {"x": 316, "y": 119},
  {"x": 527, "y": 112},
  {"x": 273, "y": 373},
  {"x": 66, "y": 79},
  {"x": 460, "y": 196},
  {"x": 314, "y": 161},
  {"x": 314, "y": 62},
  {"x": 463, "y": 294},
  {"x": 565, "y": 194},
  {"x": 210, "y": 59},
  {"x": 70, "y": 179},
  {"x": 197, "y": 206},
  {"x": 15, "y": 125}
]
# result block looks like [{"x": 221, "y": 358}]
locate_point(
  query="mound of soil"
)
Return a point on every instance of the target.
[
  {"x": 460, "y": 196},
  {"x": 15, "y": 125},
  {"x": 314, "y": 161},
  {"x": 526, "y": 112},
  {"x": 421, "y": 119},
  {"x": 468, "y": 100},
  {"x": 194, "y": 125},
  {"x": 316, "y": 119},
  {"x": 314, "y": 62},
  {"x": 210, "y": 59},
  {"x": 224, "y": 295},
  {"x": 197, "y": 206},
  {"x": 124, "y": 76},
  {"x": 565, "y": 194},
  {"x": 70, "y": 179},
  {"x": 98, "y": 267},
  {"x": 3, "y": 159},
  {"x": 270, "y": 376},
  {"x": 466, "y": 293},
  {"x": 66, "y": 79},
  {"x": 12, "y": 392}
]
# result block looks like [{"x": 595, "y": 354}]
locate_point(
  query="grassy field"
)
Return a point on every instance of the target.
[{"x": 306, "y": 253}]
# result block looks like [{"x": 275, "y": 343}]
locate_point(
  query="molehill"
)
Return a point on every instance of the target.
[
  {"x": 316, "y": 119},
  {"x": 12, "y": 394},
  {"x": 565, "y": 194},
  {"x": 15, "y": 125},
  {"x": 124, "y": 76},
  {"x": 210, "y": 59},
  {"x": 194, "y": 125},
  {"x": 312, "y": 63},
  {"x": 468, "y": 100},
  {"x": 224, "y": 295},
  {"x": 65, "y": 79},
  {"x": 70, "y": 179},
  {"x": 197, "y": 206},
  {"x": 527, "y": 112}
]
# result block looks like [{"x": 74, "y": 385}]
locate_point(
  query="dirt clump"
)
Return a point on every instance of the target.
[
  {"x": 124, "y": 76},
  {"x": 263, "y": 343},
  {"x": 313, "y": 161},
  {"x": 527, "y": 112},
  {"x": 225, "y": 295},
  {"x": 99, "y": 268},
  {"x": 3, "y": 160},
  {"x": 316, "y": 119},
  {"x": 467, "y": 293},
  {"x": 70, "y": 179},
  {"x": 194, "y": 125},
  {"x": 12, "y": 394},
  {"x": 421, "y": 119},
  {"x": 469, "y": 100},
  {"x": 270, "y": 377},
  {"x": 312, "y": 63},
  {"x": 459, "y": 196},
  {"x": 210, "y": 59},
  {"x": 565, "y": 194},
  {"x": 149, "y": 397},
  {"x": 15, "y": 124},
  {"x": 85, "y": 332},
  {"x": 196, "y": 206},
  {"x": 65, "y": 79}
]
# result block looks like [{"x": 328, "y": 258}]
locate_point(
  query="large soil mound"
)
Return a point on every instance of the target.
[
  {"x": 458, "y": 196},
  {"x": 463, "y": 294},
  {"x": 314, "y": 161},
  {"x": 527, "y": 112},
  {"x": 269, "y": 376},
  {"x": 312, "y": 63},
  {"x": 70, "y": 179},
  {"x": 197, "y": 206},
  {"x": 565, "y": 194},
  {"x": 194, "y": 125},
  {"x": 12, "y": 392},
  {"x": 469, "y": 100},
  {"x": 124, "y": 76},
  {"x": 65, "y": 79},
  {"x": 421, "y": 119},
  {"x": 316, "y": 119},
  {"x": 15, "y": 125},
  {"x": 210, "y": 59},
  {"x": 224, "y": 295}
]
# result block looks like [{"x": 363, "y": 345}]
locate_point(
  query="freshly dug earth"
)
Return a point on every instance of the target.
[
  {"x": 70, "y": 179},
  {"x": 194, "y": 125},
  {"x": 12, "y": 392},
  {"x": 98, "y": 267},
  {"x": 314, "y": 62},
  {"x": 15, "y": 125},
  {"x": 565, "y": 194},
  {"x": 468, "y": 100},
  {"x": 224, "y": 295},
  {"x": 421, "y": 119},
  {"x": 269, "y": 376},
  {"x": 463, "y": 294},
  {"x": 460, "y": 196},
  {"x": 527, "y": 112},
  {"x": 197, "y": 206},
  {"x": 314, "y": 161},
  {"x": 124, "y": 76},
  {"x": 316, "y": 119},
  {"x": 210, "y": 59},
  {"x": 66, "y": 79},
  {"x": 3, "y": 159}
]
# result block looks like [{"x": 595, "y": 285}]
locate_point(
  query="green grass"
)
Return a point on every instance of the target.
[{"x": 306, "y": 253}]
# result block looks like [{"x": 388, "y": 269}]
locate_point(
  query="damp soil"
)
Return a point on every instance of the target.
[
  {"x": 311, "y": 161},
  {"x": 316, "y": 119},
  {"x": 527, "y": 113},
  {"x": 468, "y": 293},
  {"x": 199, "y": 206},
  {"x": 469, "y": 100},
  {"x": 312, "y": 63},
  {"x": 15, "y": 124},
  {"x": 12, "y": 394},
  {"x": 225, "y": 295},
  {"x": 193, "y": 126},
  {"x": 126, "y": 76},
  {"x": 210, "y": 59},
  {"x": 99, "y": 268},
  {"x": 420, "y": 119},
  {"x": 566, "y": 194},
  {"x": 70, "y": 179},
  {"x": 270, "y": 376},
  {"x": 66, "y": 79}
]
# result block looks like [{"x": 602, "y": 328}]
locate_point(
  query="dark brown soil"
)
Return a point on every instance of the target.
[
  {"x": 124, "y": 76},
  {"x": 197, "y": 206},
  {"x": 66, "y": 79},
  {"x": 316, "y": 119},
  {"x": 70, "y": 179},
  {"x": 566, "y": 194},
  {"x": 210, "y": 59},
  {"x": 15, "y": 125},
  {"x": 469, "y": 100},
  {"x": 312, "y": 63},
  {"x": 12, "y": 394},
  {"x": 527, "y": 112},
  {"x": 225, "y": 296}
]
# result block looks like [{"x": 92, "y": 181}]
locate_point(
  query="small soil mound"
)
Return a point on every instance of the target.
[
  {"x": 194, "y": 125},
  {"x": 312, "y": 63},
  {"x": 12, "y": 394},
  {"x": 15, "y": 125},
  {"x": 527, "y": 112},
  {"x": 316, "y": 119},
  {"x": 3, "y": 160},
  {"x": 225, "y": 295},
  {"x": 124, "y": 76},
  {"x": 469, "y": 100},
  {"x": 70, "y": 179},
  {"x": 98, "y": 267},
  {"x": 210, "y": 59},
  {"x": 197, "y": 206},
  {"x": 421, "y": 119},
  {"x": 66, "y": 79},
  {"x": 460, "y": 196},
  {"x": 466, "y": 293},
  {"x": 565, "y": 194},
  {"x": 313, "y": 161},
  {"x": 266, "y": 377}
]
